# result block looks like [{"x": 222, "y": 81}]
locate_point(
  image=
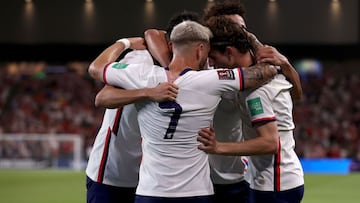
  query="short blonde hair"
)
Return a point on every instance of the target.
[{"x": 189, "y": 32}]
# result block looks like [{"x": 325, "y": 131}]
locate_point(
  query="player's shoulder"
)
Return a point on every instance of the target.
[
  {"x": 144, "y": 68},
  {"x": 271, "y": 89},
  {"x": 277, "y": 85},
  {"x": 263, "y": 91},
  {"x": 137, "y": 57},
  {"x": 280, "y": 80}
]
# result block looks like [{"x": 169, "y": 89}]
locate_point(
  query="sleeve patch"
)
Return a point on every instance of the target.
[
  {"x": 119, "y": 65},
  {"x": 255, "y": 106},
  {"x": 226, "y": 74}
]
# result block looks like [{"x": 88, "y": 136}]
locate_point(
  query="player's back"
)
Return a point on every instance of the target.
[{"x": 169, "y": 131}]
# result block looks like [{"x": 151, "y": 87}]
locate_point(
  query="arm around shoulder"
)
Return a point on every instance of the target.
[
  {"x": 112, "y": 97},
  {"x": 269, "y": 54},
  {"x": 293, "y": 77},
  {"x": 158, "y": 46},
  {"x": 111, "y": 53},
  {"x": 258, "y": 74}
]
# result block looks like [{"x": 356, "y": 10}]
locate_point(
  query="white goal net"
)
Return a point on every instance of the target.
[{"x": 41, "y": 151}]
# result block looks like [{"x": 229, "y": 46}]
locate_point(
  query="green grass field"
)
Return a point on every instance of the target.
[
  {"x": 42, "y": 186},
  {"x": 332, "y": 188},
  {"x": 62, "y": 186}
]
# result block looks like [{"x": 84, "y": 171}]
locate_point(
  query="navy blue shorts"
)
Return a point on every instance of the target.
[
  {"x": 232, "y": 193},
  {"x": 288, "y": 196},
  {"x": 198, "y": 199},
  {"x": 101, "y": 193}
]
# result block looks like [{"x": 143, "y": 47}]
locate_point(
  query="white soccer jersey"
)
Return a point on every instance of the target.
[
  {"x": 228, "y": 128},
  {"x": 116, "y": 153},
  {"x": 172, "y": 165},
  {"x": 270, "y": 102}
]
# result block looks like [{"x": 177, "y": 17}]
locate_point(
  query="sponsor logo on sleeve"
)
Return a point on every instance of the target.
[
  {"x": 119, "y": 65},
  {"x": 226, "y": 75},
  {"x": 255, "y": 106}
]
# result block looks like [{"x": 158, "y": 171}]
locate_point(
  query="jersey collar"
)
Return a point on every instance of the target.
[{"x": 182, "y": 72}]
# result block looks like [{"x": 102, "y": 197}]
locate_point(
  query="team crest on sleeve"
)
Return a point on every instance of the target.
[
  {"x": 226, "y": 74},
  {"x": 119, "y": 65},
  {"x": 255, "y": 106}
]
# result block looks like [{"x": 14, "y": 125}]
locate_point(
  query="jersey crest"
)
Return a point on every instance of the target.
[{"x": 226, "y": 75}]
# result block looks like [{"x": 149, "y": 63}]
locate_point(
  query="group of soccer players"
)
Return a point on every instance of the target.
[{"x": 157, "y": 139}]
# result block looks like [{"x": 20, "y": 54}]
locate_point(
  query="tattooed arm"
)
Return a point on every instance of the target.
[{"x": 258, "y": 74}]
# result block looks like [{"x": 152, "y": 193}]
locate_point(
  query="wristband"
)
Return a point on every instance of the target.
[{"x": 125, "y": 41}]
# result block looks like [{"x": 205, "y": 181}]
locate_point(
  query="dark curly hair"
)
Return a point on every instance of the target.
[
  {"x": 227, "y": 33},
  {"x": 229, "y": 7},
  {"x": 180, "y": 17}
]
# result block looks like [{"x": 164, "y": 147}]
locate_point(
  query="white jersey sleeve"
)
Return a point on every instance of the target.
[
  {"x": 272, "y": 102},
  {"x": 259, "y": 107},
  {"x": 231, "y": 80},
  {"x": 137, "y": 57},
  {"x": 217, "y": 81},
  {"x": 133, "y": 76}
]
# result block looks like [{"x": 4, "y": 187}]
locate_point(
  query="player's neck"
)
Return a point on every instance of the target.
[{"x": 178, "y": 65}]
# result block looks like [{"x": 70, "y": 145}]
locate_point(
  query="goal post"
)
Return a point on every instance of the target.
[{"x": 42, "y": 151}]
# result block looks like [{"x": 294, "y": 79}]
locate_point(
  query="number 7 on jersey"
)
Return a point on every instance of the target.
[{"x": 176, "y": 111}]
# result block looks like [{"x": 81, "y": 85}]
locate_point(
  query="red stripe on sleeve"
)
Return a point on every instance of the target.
[
  {"x": 104, "y": 73},
  {"x": 263, "y": 120},
  {"x": 241, "y": 79}
]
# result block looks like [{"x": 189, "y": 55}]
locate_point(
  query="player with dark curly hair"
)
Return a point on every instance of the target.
[{"x": 274, "y": 173}]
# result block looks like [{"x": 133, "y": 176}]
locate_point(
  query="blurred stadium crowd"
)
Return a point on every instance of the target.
[
  {"x": 36, "y": 97},
  {"x": 45, "y": 99},
  {"x": 328, "y": 118}
]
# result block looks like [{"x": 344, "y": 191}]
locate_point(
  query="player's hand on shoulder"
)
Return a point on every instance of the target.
[
  {"x": 165, "y": 91},
  {"x": 137, "y": 43},
  {"x": 208, "y": 140},
  {"x": 269, "y": 54}
]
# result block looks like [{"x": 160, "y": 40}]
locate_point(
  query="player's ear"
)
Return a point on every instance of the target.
[
  {"x": 199, "y": 49},
  {"x": 229, "y": 52},
  {"x": 170, "y": 47}
]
